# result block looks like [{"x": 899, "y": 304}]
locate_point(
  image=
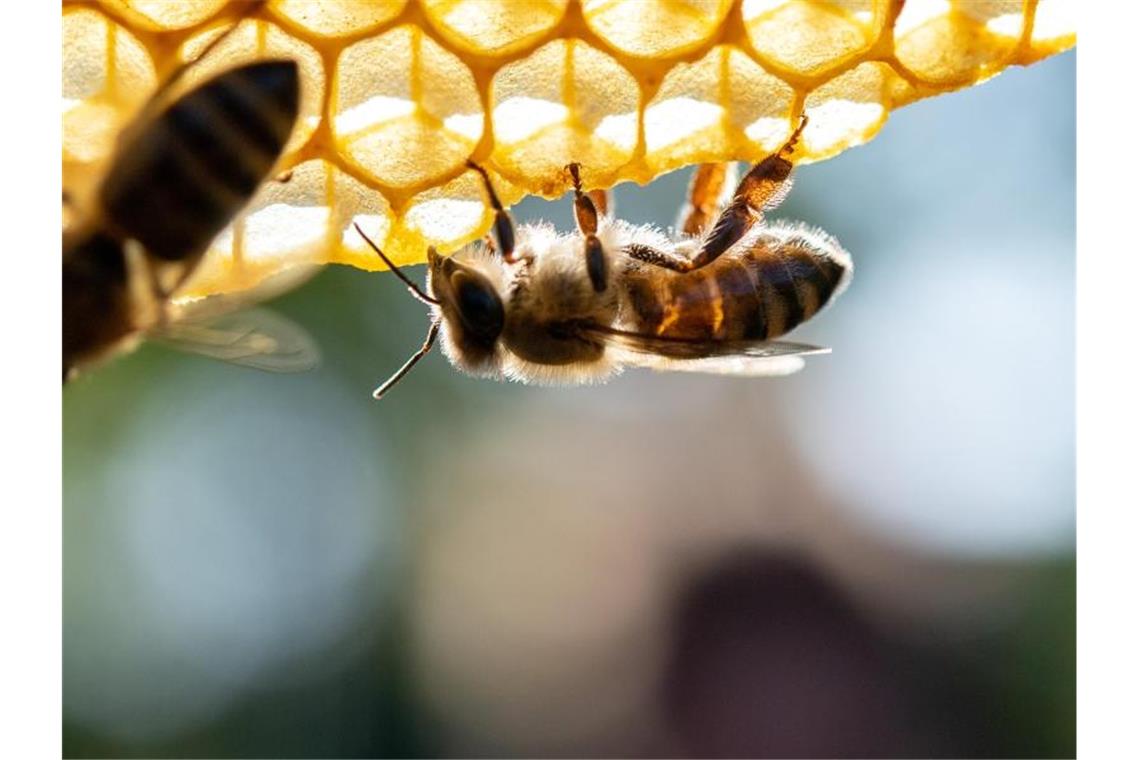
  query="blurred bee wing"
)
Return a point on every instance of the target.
[
  {"x": 256, "y": 338},
  {"x": 271, "y": 287},
  {"x": 722, "y": 357}
]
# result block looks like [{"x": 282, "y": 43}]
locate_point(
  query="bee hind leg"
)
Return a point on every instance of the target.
[
  {"x": 763, "y": 188},
  {"x": 658, "y": 258},
  {"x": 586, "y": 215}
]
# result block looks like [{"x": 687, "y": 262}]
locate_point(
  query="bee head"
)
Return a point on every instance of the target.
[
  {"x": 472, "y": 311},
  {"x": 466, "y": 309}
]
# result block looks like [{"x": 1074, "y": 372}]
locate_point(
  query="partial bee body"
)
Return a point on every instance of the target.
[
  {"x": 776, "y": 278},
  {"x": 538, "y": 307},
  {"x": 179, "y": 175}
]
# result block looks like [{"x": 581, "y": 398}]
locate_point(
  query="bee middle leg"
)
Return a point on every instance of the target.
[
  {"x": 603, "y": 201},
  {"x": 705, "y": 197},
  {"x": 763, "y": 188},
  {"x": 504, "y": 228},
  {"x": 586, "y": 215}
]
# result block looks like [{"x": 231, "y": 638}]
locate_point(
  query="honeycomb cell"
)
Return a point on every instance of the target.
[
  {"x": 305, "y": 220},
  {"x": 655, "y": 28},
  {"x": 107, "y": 75},
  {"x": 848, "y": 110},
  {"x": 808, "y": 37},
  {"x": 494, "y": 27},
  {"x": 447, "y": 216},
  {"x": 407, "y": 111},
  {"x": 944, "y": 42},
  {"x": 337, "y": 18},
  {"x": 723, "y": 103},
  {"x": 360, "y": 204},
  {"x": 165, "y": 14},
  {"x": 254, "y": 40},
  {"x": 1002, "y": 18},
  {"x": 565, "y": 102},
  {"x": 1053, "y": 26}
]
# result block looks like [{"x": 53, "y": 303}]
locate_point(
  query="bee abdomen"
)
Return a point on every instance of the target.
[
  {"x": 758, "y": 292},
  {"x": 186, "y": 175},
  {"x": 794, "y": 277}
]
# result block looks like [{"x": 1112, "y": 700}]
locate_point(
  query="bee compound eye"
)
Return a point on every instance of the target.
[{"x": 480, "y": 308}]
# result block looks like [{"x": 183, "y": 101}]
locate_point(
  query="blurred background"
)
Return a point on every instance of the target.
[{"x": 874, "y": 557}]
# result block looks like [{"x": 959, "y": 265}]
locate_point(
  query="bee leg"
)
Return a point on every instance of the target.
[
  {"x": 504, "y": 228},
  {"x": 188, "y": 271},
  {"x": 586, "y": 215},
  {"x": 658, "y": 258},
  {"x": 706, "y": 193},
  {"x": 161, "y": 300},
  {"x": 603, "y": 201},
  {"x": 162, "y": 291},
  {"x": 763, "y": 188},
  {"x": 145, "y": 287}
]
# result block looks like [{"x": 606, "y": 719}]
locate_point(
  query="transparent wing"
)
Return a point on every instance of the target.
[
  {"x": 256, "y": 338},
  {"x": 755, "y": 358},
  {"x": 271, "y": 287},
  {"x": 746, "y": 366}
]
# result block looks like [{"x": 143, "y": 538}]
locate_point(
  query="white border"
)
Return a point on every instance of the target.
[
  {"x": 1108, "y": 382},
  {"x": 30, "y": 557}
]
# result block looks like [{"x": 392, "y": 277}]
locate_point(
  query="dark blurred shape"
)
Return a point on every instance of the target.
[{"x": 772, "y": 660}]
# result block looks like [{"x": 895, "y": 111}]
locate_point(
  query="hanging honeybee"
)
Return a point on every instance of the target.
[
  {"x": 538, "y": 307},
  {"x": 180, "y": 173}
]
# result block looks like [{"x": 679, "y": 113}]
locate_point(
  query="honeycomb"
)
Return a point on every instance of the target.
[{"x": 398, "y": 94}]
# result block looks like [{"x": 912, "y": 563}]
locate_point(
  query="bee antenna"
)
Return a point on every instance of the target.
[
  {"x": 428, "y": 341},
  {"x": 412, "y": 287}
]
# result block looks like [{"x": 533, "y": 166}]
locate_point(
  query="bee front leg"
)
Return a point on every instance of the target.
[
  {"x": 762, "y": 189},
  {"x": 586, "y": 215},
  {"x": 504, "y": 228}
]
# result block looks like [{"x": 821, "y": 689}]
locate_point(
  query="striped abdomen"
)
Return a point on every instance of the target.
[
  {"x": 758, "y": 290},
  {"x": 180, "y": 178}
]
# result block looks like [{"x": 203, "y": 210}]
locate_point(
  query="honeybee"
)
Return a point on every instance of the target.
[
  {"x": 569, "y": 309},
  {"x": 180, "y": 173}
]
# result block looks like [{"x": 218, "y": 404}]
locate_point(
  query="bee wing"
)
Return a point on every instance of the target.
[
  {"x": 745, "y": 366},
  {"x": 276, "y": 284},
  {"x": 257, "y": 338},
  {"x": 723, "y": 357}
]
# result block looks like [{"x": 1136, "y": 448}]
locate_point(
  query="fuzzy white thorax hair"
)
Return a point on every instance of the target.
[{"x": 549, "y": 282}]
